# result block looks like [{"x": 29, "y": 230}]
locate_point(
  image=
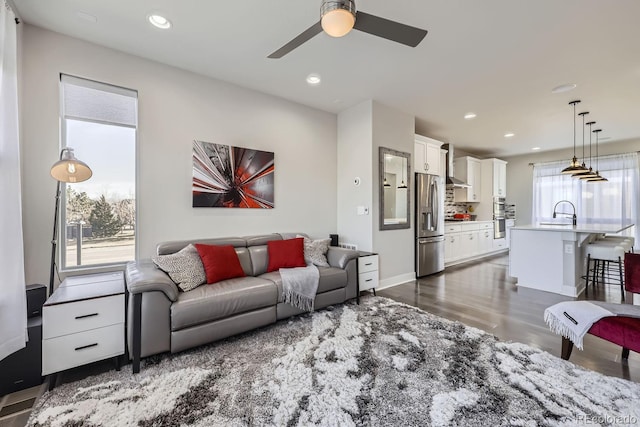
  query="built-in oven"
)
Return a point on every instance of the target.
[{"x": 499, "y": 226}]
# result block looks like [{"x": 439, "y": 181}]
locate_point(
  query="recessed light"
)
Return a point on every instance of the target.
[
  {"x": 313, "y": 79},
  {"x": 564, "y": 88},
  {"x": 509, "y": 134},
  {"x": 87, "y": 17},
  {"x": 535, "y": 148},
  {"x": 470, "y": 116},
  {"x": 159, "y": 21}
]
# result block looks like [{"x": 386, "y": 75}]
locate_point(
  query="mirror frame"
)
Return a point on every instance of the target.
[{"x": 381, "y": 168}]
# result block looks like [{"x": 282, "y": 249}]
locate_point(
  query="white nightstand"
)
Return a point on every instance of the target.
[
  {"x": 83, "y": 321},
  {"x": 367, "y": 272}
]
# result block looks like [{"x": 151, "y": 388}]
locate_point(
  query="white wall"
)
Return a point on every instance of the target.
[
  {"x": 520, "y": 173},
  {"x": 362, "y": 129},
  {"x": 175, "y": 107},
  {"x": 355, "y": 159},
  {"x": 393, "y": 129}
]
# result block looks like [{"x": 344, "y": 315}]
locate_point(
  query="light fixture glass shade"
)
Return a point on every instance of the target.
[
  {"x": 337, "y": 17},
  {"x": 70, "y": 169},
  {"x": 573, "y": 168},
  {"x": 590, "y": 174}
]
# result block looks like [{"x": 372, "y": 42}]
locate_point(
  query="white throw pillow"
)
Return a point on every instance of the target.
[
  {"x": 184, "y": 267},
  {"x": 315, "y": 251}
]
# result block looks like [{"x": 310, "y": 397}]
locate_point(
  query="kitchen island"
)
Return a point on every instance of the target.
[{"x": 551, "y": 256}]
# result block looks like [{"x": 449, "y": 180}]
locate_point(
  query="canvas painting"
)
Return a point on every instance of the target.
[{"x": 232, "y": 177}]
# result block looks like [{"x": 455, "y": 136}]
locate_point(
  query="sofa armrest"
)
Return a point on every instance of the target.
[
  {"x": 340, "y": 257},
  {"x": 144, "y": 276}
]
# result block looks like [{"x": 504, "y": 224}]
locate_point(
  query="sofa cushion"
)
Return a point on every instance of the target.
[
  {"x": 286, "y": 254},
  {"x": 330, "y": 278},
  {"x": 227, "y": 298},
  {"x": 220, "y": 262},
  {"x": 315, "y": 251},
  {"x": 184, "y": 267}
]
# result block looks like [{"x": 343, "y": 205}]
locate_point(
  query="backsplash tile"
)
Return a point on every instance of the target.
[{"x": 451, "y": 207}]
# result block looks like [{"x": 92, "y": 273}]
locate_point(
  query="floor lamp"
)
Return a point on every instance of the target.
[{"x": 67, "y": 169}]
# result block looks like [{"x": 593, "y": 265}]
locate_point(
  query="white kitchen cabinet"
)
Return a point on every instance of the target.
[
  {"x": 468, "y": 169},
  {"x": 498, "y": 175},
  {"x": 451, "y": 247},
  {"x": 465, "y": 241},
  {"x": 485, "y": 241},
  {"x": 469, "y": 244},
  {"x": 426, "y": 156}
]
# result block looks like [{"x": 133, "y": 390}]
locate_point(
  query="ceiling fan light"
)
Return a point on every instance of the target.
[{"x": 338, "y": 17}]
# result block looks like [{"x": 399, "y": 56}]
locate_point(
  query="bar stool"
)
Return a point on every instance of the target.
[
  {"x": 627, "y": 239},
  {"x": 603, "y": 254}
]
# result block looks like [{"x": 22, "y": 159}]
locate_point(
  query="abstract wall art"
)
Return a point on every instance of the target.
[{"x": 232, "y": 177}]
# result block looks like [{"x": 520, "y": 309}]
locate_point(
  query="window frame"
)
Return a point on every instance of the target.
[{"x": 62, "y": 240}]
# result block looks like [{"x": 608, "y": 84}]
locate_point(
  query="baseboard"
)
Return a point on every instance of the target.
[{"x": 396, "y": 280}]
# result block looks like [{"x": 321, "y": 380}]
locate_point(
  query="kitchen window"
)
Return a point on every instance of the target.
[
  {"x": 98, "y": 226},
  {"x": 614, "y": 201}
]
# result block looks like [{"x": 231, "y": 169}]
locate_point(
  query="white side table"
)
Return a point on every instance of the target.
[
  {"x": 367, "y": 272},
  {"x": 83, "y": 321}
]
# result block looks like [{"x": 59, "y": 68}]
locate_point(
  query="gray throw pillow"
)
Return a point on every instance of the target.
[
  {"x": 184, "y": 267},
  {"x": 315, "y": 251}
]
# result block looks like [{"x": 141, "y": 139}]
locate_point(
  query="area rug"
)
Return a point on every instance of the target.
[{"x": 380, "y": 363}]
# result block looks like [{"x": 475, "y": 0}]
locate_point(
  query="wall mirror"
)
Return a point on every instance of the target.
[{"x": 395, "y": 189}]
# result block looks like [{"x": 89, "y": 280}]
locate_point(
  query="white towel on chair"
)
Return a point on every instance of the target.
[{"x": 573, "y": 319}]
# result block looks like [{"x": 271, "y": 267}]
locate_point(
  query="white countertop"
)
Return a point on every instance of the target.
[{"x": 580, "y": 228}]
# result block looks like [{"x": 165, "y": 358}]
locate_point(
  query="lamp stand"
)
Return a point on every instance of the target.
[{"x": 54, "y": 239}]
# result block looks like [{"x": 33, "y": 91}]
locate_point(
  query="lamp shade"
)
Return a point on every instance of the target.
[
  {"x": 337, "y": 17},
  {"x": 70, "y": 169}
]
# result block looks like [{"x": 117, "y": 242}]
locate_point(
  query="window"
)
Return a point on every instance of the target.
[
  {"x": 614, "y": 201},
  {"x": 99, "y": 122}
]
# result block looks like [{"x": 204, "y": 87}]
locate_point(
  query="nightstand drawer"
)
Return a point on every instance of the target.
[
  {"x": 367, "y": 263},
  {"x": 84, "y": 347},
  {"x": 78, "y": 316},
  {"x": 368, "y": 280}
]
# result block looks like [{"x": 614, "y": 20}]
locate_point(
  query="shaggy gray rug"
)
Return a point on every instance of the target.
[{"x": 380, "y": 363}]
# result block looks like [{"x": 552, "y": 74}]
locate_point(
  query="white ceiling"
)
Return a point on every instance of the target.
[{"x": 497, "y": 58}]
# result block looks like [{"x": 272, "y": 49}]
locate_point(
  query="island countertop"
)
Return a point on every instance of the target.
[{"x": 579, "y": 228}]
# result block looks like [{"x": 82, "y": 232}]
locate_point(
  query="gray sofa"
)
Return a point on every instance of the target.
[{"x": 163, "y": 319}]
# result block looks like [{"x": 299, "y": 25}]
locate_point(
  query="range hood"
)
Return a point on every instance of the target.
[{"x": 452, "y": 182}]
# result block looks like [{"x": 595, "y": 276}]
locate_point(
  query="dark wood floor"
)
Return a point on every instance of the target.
[{"x": 483, "y": 295}]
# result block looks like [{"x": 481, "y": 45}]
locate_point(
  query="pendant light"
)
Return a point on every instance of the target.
[
  {"x": 598, "y": 177},
  {"x": 583, "y": 168},
  {"x": 402, "y": 185},
  {"x": 590, "y": 173},
  {"x": 574, "y": 166}
]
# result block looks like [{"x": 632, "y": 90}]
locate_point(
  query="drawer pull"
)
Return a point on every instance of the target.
[
  {"x": 368, "y": 280},
  {"x": 86, "y": 315},
  {"x": 86, "y": 346},
  {"x": 370, "y": 263}
]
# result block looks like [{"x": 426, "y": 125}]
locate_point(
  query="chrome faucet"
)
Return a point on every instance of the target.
[{"x": 574, "y": 217}]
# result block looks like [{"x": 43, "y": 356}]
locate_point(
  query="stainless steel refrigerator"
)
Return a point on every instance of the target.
[{"x": 430, "y": 192}]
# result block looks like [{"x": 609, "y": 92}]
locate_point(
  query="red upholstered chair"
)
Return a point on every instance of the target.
[{"x": 621, "y": 330}]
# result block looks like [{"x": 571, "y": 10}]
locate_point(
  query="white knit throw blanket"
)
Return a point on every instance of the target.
[
  {"x": 299, "y": 286},
  {"x": 573, "y": 319}
]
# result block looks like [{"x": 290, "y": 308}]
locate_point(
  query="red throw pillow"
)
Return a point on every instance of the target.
[
  {"x": 220, "y": 262},
  {"x": 286, "y": 254}
]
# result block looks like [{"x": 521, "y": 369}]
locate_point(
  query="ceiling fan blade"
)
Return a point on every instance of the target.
[
  {"x": 305, "y": 36},
  {"x": 390, "y": 30}
]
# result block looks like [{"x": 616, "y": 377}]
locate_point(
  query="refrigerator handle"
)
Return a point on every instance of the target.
[{"x": 436, "y": 199}]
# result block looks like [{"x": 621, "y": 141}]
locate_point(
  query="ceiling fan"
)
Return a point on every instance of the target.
[{"x": 337, "y": 18}]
